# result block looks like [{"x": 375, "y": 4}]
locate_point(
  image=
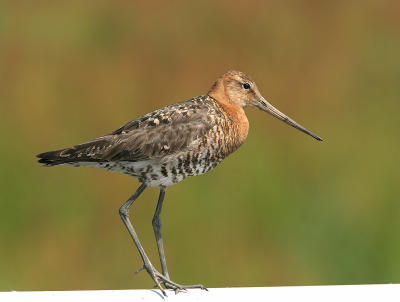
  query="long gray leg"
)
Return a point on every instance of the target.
[
  {"x": 154, "y": 274},
  {"x": 124, "y": 213},
  {"x": 157, "y": 232}
]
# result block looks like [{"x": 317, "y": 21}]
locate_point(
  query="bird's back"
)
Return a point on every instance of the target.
[{"x": 162, "y": 147}]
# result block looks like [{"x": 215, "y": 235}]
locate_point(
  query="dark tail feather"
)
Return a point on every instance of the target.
[
  {"x": 91, "y": 151},
  {"x": 51, "y": 158}
]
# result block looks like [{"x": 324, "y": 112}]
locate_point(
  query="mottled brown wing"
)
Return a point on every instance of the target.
[
  {"x": 165, "y": 131},
  {"x": 159, "y": 140}
]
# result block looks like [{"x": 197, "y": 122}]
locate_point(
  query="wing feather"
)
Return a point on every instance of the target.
[
  {"x": 165, "y": 131},
  {"x": 156, "y": 142}
]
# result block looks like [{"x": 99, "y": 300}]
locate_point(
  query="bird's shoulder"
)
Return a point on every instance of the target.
[
  {"x": 190, "y": 111},
  {"x": 164, "y": 131}
]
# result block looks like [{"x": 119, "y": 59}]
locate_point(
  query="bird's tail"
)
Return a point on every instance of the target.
[
  {"x": 52, "y": 158},
  {"x": 96, "y": 150}
]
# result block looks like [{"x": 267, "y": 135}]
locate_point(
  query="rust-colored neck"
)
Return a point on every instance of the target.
[
  {"x": 232, "y": 110},
  {"x": 218, "y": 92}
]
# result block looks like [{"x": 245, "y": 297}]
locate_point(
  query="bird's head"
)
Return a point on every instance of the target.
[{"x": 237, "y": 89}]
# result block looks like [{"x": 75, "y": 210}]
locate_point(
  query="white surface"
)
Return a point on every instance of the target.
[{"x": 389, "y": 292}]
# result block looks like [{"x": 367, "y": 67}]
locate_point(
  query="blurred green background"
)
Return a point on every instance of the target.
[{"x": 282, "y": 210}]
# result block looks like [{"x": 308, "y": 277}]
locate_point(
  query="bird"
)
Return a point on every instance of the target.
[{"x": 167, "y": 145}]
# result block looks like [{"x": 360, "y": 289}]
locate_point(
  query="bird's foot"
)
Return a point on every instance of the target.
[
  {"x": 159, "y": 279},
  {"x": 177, "y": 287}
]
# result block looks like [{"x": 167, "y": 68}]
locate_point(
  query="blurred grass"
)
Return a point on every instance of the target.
[{"x": 282, "y": 210}]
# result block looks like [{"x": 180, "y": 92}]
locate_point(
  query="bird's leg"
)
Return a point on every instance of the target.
[
  {"x": 154, "y": 274},
  {"x": 124, "y": 213},
  {"x": 157, "y": 232}
]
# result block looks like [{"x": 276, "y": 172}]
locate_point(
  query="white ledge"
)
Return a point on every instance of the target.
[{"x": 384, "y": 292}]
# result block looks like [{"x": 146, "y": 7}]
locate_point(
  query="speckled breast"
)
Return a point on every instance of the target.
[
  {"x": 171, "y": 169},
  {"x": 204, "y": 155}
]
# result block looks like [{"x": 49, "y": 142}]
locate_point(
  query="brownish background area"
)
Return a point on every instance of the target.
[{"x": 283, "y": 210}]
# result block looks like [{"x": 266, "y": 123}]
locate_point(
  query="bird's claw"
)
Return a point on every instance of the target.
[
  {"x": 140, "y": 269},
  {"x": 168, "y": 284}
]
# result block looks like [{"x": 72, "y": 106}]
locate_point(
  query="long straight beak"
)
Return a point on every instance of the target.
[{"x": 265, "y": 106}]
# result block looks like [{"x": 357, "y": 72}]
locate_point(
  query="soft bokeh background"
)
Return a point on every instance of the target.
[{"x": 283, "y": 210}]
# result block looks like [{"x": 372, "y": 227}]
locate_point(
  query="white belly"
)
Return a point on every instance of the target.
[{"x": 154, "y": 173}]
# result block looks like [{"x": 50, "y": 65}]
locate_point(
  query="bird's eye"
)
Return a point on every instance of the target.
[{"x": 246, "y": 86}]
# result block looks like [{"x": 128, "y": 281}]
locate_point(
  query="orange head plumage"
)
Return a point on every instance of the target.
[{"x": 236, "y": 90}]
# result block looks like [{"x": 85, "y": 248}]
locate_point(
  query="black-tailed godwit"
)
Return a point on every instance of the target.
[{"x": 167, "y": 145}]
